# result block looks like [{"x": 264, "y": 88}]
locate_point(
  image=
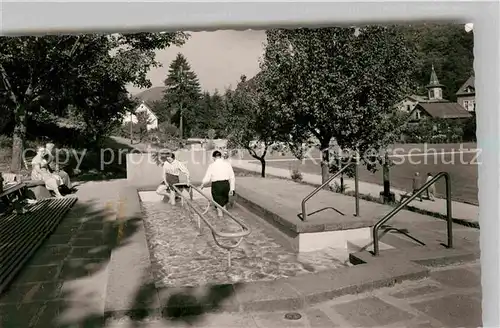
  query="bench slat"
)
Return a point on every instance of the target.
[{"x": 27, "y": 232}]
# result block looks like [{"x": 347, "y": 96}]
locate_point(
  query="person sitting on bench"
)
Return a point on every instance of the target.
[
  {"x": 41, "y": 172},
  {"x": 172, "y": 168},
  {"x": 54, "y": 168}
]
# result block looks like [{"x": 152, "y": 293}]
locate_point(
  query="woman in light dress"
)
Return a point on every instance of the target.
[{"x": 40, "y": 171}]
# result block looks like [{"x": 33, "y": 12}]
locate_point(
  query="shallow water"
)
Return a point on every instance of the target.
[{"x": 182, "y": 257}]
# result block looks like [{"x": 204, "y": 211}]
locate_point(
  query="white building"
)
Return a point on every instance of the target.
[{"x": 153, "y": 119}]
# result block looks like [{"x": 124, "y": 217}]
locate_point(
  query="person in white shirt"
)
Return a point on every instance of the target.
[
  {"x": 220, "y": 173},
  {"x": 172, "y": 168}
]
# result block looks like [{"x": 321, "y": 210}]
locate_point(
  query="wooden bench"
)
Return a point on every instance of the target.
[{"x": 22, "y": 235}]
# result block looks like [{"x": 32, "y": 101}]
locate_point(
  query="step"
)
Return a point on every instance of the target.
[
  {"x": 360, "y": 245},
  {"x": 426, "y": 255}
]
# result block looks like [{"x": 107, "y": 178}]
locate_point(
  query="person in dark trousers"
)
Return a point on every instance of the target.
[
  {"x": 172, "y": 168},
  {"x": 431, "y": 191},
  {"x": 417, "y": 184},
  {"x": 220, "y": 173}
]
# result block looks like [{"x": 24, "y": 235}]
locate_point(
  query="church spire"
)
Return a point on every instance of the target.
[{"x": 435, "y": 89}]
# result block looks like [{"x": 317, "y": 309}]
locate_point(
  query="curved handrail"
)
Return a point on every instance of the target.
[
  {"x": 315, "y": 191},
  {"x": 246, "y": 230},
  {"x": 390, "y": 215}
]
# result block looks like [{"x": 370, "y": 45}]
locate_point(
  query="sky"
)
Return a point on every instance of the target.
[{"x": 219, "y": 58}]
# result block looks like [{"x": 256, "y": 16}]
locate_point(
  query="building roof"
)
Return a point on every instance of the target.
[
  {"x": 462, "y": 91},
  {"x": 444, "y": 110},
  {"x": 434, "y": 82}
]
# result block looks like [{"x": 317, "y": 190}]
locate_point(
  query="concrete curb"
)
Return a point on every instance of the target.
[{"x": 470, "y": 224}]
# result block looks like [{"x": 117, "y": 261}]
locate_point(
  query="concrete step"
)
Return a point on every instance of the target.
[
  {"x": 397, "y": 240},
  {"x": 360, "y": 245}
]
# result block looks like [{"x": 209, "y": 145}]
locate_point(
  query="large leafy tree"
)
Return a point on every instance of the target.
[
  {"x": 89, "y": 71},
  {"x": 182, "y": 93},
  {"x": 337, "y": 84},
  {"x": 250, "y": 125}
]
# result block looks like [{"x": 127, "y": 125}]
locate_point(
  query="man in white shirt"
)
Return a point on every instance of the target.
[
  {"x": 220, "y": 173},
  {"x": 172, "y": 168}
]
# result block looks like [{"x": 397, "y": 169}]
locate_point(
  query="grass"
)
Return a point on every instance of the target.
[{"x": 473, "y": 224}]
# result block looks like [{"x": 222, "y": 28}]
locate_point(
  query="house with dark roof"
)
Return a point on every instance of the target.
[
  {"x": 435, "y": 106},
  {"x": 466, "y": 94}
]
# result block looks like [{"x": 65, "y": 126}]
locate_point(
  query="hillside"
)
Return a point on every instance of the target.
[{"x": 151, "y": 95}]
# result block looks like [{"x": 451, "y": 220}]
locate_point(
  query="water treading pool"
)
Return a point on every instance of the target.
[{"x": 182, "y": 257}]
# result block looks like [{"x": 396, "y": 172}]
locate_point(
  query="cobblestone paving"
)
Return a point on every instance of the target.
[{"x": 182, "y": 257}]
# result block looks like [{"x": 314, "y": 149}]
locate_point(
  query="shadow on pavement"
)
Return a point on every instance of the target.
[{"x": 64, "y": 283}]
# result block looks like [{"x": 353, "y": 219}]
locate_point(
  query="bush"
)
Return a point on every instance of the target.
[
  {"x": 210, "y": 145},
  {"x": 296, "y": 175}
]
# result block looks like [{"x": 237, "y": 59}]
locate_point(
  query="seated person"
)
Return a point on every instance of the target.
[
  {"x": 172, "y": 168},
  {"x": 41, "y": 172},
  {"x": 54, "y": 167}
]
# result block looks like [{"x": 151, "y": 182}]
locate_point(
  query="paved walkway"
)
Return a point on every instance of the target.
[
  {"x": 451, "y": 297},
  {"x": 461, "y": 211}
]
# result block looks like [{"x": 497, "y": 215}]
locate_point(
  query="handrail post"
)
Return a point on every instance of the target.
[
  {"x": 449, "y": 217},
  {"x": 356, "y": 183}
]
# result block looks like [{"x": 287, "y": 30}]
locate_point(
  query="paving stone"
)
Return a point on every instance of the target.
[
  {"x": 25, "y": 316},
  {"x": 60, "y": 314},
  {"x": 268, "y": 296},
  {"x": 59, "y": 239},
  {"x": 99, "y": 252},
  {"x": 93, "y": 226},
  {"x": 50, "y": 254},
  {"x": 32, "y": 293},
  {"x": 42, "y": 273},
  {"x": 93, "y": 240},
  {"x": 80, "y": 268},
  {"x": 457, "y": 277},
  {"x": 319, "y": 319},
  {"x": 371, "y": 312},
  {"x": 277, "y": 319},
  {"x": 416, "y": 291},
  {"x": 453, "y": 310}
]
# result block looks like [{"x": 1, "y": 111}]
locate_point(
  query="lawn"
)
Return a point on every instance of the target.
[{"x": 463, "y": 175}]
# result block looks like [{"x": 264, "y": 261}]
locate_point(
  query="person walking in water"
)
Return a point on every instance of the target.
[
  {"x": 220, "y": 173},
  {"x": 417, "y": 184},
  {"x": 172, "y": 168},
  {"x": 431, "y": 191}
]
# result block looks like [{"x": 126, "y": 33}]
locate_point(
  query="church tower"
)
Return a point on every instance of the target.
[{"x": 434, "y": 88}]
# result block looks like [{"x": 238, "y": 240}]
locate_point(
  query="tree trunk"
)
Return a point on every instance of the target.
[
  {"x": 387, "y": 184},
  {"x": 325, "y": 161},
  {"x": 342, "y": 182},
  {"x": 263, "y": 167},
  {"x": 18, "y": 138}
]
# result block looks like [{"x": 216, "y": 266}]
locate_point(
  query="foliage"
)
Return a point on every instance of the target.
[
  {"x": 249, "y": 123},
  {"x": 88, "y": 71},
  {"x": 431, "y": 130},
  {"x": 209, "y": 116},
  {"x": 446, "y": 46},
  {"x": 211, "y": 134},
  {"x": 296, "y": 175},
  {"x": 332, "y": 84},
  {"x": 143, "y": 120},
  {"x": 182, "y": 93}
]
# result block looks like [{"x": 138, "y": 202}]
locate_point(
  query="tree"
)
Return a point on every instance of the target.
[
  {"x": 143, "y": 121},
  {"x": 182, "y": 93},
  {"x": 249, "y": 125},
  {"x": 337, "y": 83},
  {"x": 209, "y": 115},
  {"x": 52, "y": 72}
]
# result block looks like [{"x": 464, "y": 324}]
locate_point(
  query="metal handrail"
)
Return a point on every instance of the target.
[
  {"x": 390, "y": 215},
  {"x": 246, "y": 230},
  {"x": 315, "y": 191}
]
